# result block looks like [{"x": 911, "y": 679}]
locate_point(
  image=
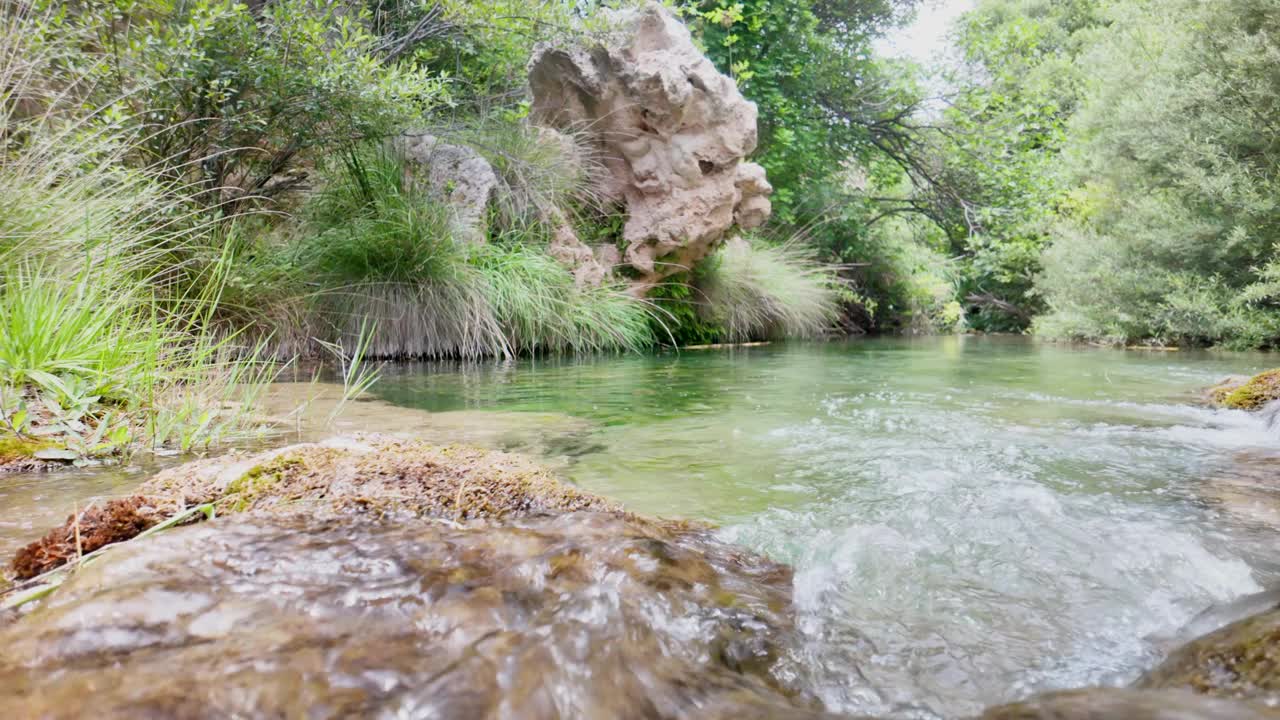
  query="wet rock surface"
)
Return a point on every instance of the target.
[
  {"x": 574, "y": 616},
  {"x": 1121, "y": 704},
  {"x": 1241, "y": 660}
]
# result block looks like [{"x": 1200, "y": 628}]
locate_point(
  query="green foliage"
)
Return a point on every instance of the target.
[
  {"x": 822, "y": 98},
  {"x": 367, "y": 224},
  {"x": 997, "y": 185},
  {"x": 1178, "y": 154},
  {"x": 680, "y": 320},
  {"x": 232, "y": 95}
]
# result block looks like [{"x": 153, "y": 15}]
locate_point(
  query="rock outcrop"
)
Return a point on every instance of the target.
[{"x": 671, "y": 131}]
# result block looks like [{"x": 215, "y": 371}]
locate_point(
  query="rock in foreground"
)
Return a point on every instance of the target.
[
  {"x": 368, "y": 475},
  {"x": 1241, "y": 660},
  {"x": 579, "y": 615},
  {"x": 1120, "y": 704}
]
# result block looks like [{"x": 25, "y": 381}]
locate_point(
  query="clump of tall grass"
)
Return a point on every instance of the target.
[
  {"x": 539, "y": 307},
  {"x": 99, "y": 352},
  {"x": 383, "y": 249},
  {"x": 541, "y": 172},
  {"x": 758, "y": 291}
]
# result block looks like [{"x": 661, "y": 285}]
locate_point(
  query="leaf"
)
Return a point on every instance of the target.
[{"x": 56, "y": 454}]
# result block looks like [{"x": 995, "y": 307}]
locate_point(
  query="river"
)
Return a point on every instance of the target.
[{"x": 970, "y": 519}]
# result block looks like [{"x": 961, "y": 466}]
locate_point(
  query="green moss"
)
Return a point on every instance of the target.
[
  {"x": 1260, "y": 390},
  {"x": 14, "y": 448},
  {"x": 258, "y": 481}
]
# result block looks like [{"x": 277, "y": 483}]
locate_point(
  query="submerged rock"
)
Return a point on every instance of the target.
[
  {"x": 316, "y": 411},
  {"x": 360, "y": 474},
  {"x": 1123, "y": 704},
  {"x": 670, "y": 129},
  {"x": 1241, "y": 660},
  {"x": 572, "y": 616}
]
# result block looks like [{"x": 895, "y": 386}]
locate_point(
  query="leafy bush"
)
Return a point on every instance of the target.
[
  {"x": 1176, "y": 230},
  {"x": 232, "y": 95}
]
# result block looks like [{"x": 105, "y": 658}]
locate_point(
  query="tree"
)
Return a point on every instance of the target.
[{"x": 1177, "y": 158}]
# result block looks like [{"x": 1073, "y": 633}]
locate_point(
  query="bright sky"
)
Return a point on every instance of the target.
[{"x": 925, "y": 38}]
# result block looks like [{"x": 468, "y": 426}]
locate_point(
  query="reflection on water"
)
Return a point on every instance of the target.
[{"x": 970, "y": 518}]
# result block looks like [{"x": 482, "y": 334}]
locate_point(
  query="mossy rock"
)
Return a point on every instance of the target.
[
  {"x": 379, "y": 475},
  {"x": 368, "y": 475},
  {"x": 1241, "y": 660},
  {"x": 1127, "y": 704},
  {"x": 18, "y": 454},
  {"x": 1251, "y": 394}
]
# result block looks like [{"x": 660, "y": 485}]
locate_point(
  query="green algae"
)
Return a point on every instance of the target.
[{"x": 19, "y": 453}]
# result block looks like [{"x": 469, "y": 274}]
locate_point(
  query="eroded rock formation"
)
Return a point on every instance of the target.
[{"x": 671, "y": 131}]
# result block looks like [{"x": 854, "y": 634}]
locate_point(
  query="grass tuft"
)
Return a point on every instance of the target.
[{"x": 759, "y": 291}]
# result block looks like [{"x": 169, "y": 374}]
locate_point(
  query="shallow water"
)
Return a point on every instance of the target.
[{"x": 970, "y": 519}]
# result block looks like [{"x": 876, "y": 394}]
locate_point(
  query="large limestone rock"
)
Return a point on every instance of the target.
[{"x": 672, "y": 133}]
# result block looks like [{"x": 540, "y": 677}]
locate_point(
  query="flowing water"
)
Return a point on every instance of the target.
[{"x": 969, "y": 519}]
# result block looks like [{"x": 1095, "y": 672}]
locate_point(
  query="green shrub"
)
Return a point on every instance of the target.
[{"x": 230, "y": 96}]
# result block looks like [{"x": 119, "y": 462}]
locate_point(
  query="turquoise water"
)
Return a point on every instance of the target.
[{"x": 970, "y": 519}]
